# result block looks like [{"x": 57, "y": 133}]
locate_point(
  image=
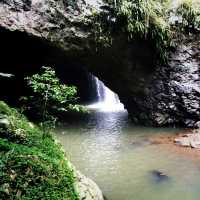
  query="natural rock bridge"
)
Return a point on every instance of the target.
[{"x": 38, "y": 32}]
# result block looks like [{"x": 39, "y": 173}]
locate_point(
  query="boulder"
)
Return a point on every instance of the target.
[{"x": 86, "y": 188}]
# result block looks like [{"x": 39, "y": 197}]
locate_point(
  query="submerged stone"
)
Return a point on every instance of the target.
[
  {"x": 141, "y": 143},
  {"x": 182, "y": 141},
  {"x": 159, "y": 176}
]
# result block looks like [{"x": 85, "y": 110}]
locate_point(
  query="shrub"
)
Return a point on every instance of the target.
[
  {"x": 189, "y": 13},
  {"x": 50, "y": 97},
  {"x": 144, "y": 20}
]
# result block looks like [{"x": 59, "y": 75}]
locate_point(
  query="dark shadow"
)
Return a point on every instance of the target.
[{"x": 23, "y": 55}]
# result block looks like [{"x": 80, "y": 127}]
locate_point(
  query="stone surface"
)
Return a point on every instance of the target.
[
  {"x": 86, "y": 188},
  {"x": 172, "y": 96},
  {"x": 159, "y": 176},
  {"x": 189, "y": 140},
  {"x": 54, "y": 21},
  {"x": 124, "y": 67}
]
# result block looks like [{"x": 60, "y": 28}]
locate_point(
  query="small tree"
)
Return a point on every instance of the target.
[{"x": 50, "y": 97}]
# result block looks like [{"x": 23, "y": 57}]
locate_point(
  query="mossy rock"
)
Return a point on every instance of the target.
[{"x": 32, "y": 165}]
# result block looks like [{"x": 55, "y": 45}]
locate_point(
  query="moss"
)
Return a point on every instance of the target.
[{"x": 34, "y": 167}]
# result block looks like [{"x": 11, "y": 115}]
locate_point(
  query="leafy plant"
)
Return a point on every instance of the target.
[
  {"x": 144, "y": 20},
  {"x": 189, "y": 13},
  {"x": 102, "y": 29},
  {"x": 140, "y": 20},
  {"x": 50, "y": 96}
]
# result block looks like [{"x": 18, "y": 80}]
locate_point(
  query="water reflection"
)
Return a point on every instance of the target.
[{"x": 120, "y": 158}]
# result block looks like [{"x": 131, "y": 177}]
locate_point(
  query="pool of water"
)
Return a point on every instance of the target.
[{"x": 119, "y": 157}]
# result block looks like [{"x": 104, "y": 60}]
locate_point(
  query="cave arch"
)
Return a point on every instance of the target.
[
  {"x": 128, "y": 69},
  {"x": 23, "y": 54}
]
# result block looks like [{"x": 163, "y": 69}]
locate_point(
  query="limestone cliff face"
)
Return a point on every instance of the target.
[
  {"x": 59, "y": 22},
  {"x": 55, "y": 34},
  {"x": 173, "y": 94}
]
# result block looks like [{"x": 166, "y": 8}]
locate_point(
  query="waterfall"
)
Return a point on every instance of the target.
[{"x": 106, "y": 100}]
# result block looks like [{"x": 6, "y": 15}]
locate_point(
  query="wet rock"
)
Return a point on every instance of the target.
[
  {"x": 160, "y": 118},
  {"x": 141, "y": 143},
  {"x": 86, "y": 188},
  {"x": 159, "y": 176},
  {"x": 195, "y": 144},
  {"x": 197, "y": 124},
  {"x": 183, "y": 142},
  {"x": 189, "y": 140},
  {"x": 173, "y": 91},
  {"x": 53, "y": 21},
  {"x": 62, "y": 28}
]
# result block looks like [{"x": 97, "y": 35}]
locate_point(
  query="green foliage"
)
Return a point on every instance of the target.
[
  {"x": 33, "y": 168},
  {"x": 146, "y": 21},
  {"x": 47, "y": 88},
  {"x": 141, "y": 20},
  {"x": 4, "y": 109},
  {"x": 50, "y": 96},
  {"x": 102, "y": 29},
  {"x": 189, "y": 12}
]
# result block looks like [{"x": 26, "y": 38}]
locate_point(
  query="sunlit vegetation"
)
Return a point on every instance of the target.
[
  {"x": 143, "y": 20},
  {"x": 32, "y": 165},
  {"x": 50, "y": 97},
  {"x": 188, "y": 12},
  {"x": 140, "y": 20}
]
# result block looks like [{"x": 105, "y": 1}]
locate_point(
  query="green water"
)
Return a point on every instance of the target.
[{"x": 120, "y": 159}]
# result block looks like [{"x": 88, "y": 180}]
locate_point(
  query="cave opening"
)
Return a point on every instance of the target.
[{"x": 23, "y": 55}]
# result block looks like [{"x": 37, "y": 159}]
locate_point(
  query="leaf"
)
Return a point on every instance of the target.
[
  {"x": 19, "y": 193},
  {"x": 13, "y": 176}
]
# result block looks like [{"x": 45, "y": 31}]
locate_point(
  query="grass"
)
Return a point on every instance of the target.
[{"x": 32, "y": 165}]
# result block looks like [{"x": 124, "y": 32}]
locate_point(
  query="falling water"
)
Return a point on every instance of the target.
[{"x": 107, "y": 100}]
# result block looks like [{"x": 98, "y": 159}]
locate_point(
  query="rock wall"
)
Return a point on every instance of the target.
[
  {"x": 173, "y": 95},
  {"x": 57, "y": 22}
]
